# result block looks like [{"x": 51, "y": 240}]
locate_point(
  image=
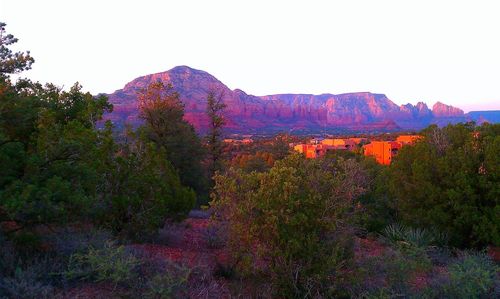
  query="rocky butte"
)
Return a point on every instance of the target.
[{"x": 247, "y": 113}]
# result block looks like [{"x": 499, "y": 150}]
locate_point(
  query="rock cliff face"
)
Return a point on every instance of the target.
[
  {"x": 441, "y": 110},
  {"x": 248, "y": 113}
]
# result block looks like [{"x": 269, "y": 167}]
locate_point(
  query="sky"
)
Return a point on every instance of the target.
[{"x": 412, "y": 51}]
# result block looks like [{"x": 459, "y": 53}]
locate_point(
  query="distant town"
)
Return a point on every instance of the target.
[
  {"x": 382, "y": 151},
  {"x": 315, "y": 147}
]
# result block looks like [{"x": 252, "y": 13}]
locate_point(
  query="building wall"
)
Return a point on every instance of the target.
[
  {"x": 408, "y": 139},
  {"x": 383, "y": 151},
  {"x": 312, "y": 151},
  {"x": 301, "y": 148}
]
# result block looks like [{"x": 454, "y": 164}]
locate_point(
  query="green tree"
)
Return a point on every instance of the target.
[
  {"x": 375, "y": 207},
  {"x": 163, "y": 112},
  {"x": 140, "y": 187},
  {"x": 56, "y": 167},
  {"x": 10, "y": 62},
  {"x": 279, "y": 147},
  {"x": 54, "y": 148},
  {"x": 451, "y": 181},
  {"x": 215, "y": 111},
  {"x": 293, "y": 218}
]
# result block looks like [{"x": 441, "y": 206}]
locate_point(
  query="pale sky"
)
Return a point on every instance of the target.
[{"x": 412, "y": 51}]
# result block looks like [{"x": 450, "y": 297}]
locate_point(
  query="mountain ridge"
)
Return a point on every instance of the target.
[{"x": 249, "y": 113}]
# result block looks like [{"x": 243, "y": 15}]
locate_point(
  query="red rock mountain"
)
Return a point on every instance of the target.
[
  {"x": 282, "y": 112},
  {"x": 441, "y": 110}
]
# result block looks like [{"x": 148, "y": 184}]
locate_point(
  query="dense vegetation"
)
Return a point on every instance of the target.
[
  {"x": 57, "y": 167},
  {"x": 296, "y": 222},
  {"x": 451, "y": 181},
  {"x": 80, "y": 203},
  {"x": 295, "y": 217}
]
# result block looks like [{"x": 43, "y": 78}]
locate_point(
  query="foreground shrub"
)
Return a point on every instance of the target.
[
  {"x": 449, "y": 180},
  {"x": 472, "y": 275},
  {"x": 376, "y": 211},
  {"x": 171, "y": 234},
  {"x": 68, "y": 241},
  {"x": 111, "y": 263},
  {"x": 28, "y": 276},
  {"x": 386, "y": 276},
  {"x": 291, "y": 221},
  {"x": 24, "y": 284},
  {"x": 215, "y": 236},
  {"x": 401, "y": 235},
  {"x": 8, "y": 258},
  {"x": 158, "y": 277},
  {"x": 168, "y": 284}
]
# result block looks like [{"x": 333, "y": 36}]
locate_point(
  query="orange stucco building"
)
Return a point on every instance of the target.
[
  {"x": 383, "y": 151},
  {"x": 312, "y": 151}
]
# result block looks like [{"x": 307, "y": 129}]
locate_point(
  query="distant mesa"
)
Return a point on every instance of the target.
[
  {"x": 492, "y": 116},
  {"x": 245, "y": 113}
]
